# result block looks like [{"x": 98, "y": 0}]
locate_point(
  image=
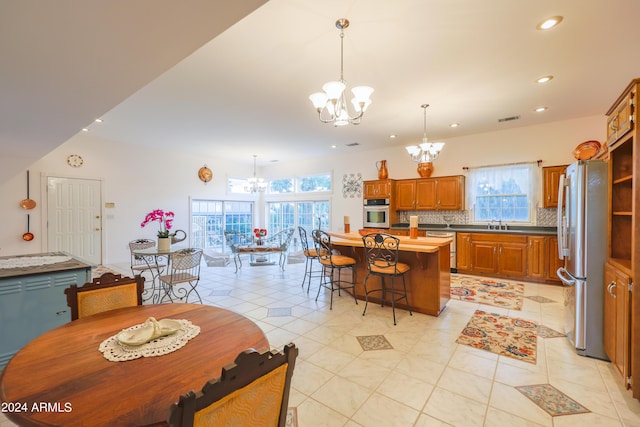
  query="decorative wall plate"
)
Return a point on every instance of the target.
[
  {"x": 75, "y": 160},
  {"x": 205, "y": 174}
]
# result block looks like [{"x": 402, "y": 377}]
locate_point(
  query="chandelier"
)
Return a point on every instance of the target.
[
  {"x": 255, "y": 185},
  {"x": 332, "y": 101},
  {"x": 427, "y": 151}
]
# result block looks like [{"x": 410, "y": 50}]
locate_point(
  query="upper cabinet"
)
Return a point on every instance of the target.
[
  {"x": 441, "y": 193},
  {"x": 379, "y": 189},
  {"x": 620, "y": 116},
  {"x": 550, "y": 181}
]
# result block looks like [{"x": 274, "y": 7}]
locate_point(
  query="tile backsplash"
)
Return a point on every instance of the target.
[{"x": 545, "y": 217}]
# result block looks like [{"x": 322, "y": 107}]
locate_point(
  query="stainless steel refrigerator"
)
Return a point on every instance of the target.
[{"x": 582, "y": 240}]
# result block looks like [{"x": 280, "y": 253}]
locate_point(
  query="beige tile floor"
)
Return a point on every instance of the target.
[{"x": 426, "y": 379}]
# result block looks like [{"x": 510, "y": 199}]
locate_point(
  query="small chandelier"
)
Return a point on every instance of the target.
[
  {"x": 255, "y": 185},
  {"x": 332, "y": 100},
  {"x": 427, "y": 151}
]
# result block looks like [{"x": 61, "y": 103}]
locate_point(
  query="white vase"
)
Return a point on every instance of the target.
[{"x": 164, "y": 244}]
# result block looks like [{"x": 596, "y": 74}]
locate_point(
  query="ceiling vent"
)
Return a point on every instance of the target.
[
  {"x": 353, "y": 144},
  {"x": 508, "y": 119}
]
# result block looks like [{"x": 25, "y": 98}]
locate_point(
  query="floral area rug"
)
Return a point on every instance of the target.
[
  {"x": 551, "y": 400},
  {"x": 481, "y": 290},
  {"x": 504, "y": 335}
]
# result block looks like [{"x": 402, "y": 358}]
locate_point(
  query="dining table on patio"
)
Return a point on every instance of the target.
[{"x": 62, "y": 379}]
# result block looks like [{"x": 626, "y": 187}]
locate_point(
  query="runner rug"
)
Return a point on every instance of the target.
[
  {"x": 504, "y": 335},
  {"x": 481, "y": 290}
]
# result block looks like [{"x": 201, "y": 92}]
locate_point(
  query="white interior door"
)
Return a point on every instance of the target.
[{"x": 74, "y": 219}]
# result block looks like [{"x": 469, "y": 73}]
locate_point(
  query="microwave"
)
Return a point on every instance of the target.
[{"x": 376, "y": 213}]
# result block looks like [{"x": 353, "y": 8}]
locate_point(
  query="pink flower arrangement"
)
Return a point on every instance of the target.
[{"x": 164, "y": 218}]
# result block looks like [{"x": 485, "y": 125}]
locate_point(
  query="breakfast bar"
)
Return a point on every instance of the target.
[{"x": 428, "y": 281}]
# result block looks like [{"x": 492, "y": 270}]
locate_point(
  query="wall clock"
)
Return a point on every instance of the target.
[
  {"x": 75, "y": 160},
  {"x": 205, "y": 174}
]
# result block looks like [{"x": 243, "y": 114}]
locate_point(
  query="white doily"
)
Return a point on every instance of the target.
[
  {"x": 32, "y": 261},
  {"x": 115, "y": 351}
]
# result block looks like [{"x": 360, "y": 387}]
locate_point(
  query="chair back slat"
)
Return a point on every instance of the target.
[{"x": 381, "y": 251}]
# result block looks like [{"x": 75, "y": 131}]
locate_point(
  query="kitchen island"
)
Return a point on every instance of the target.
[
  {"x": 428, "y": 281},
  {"x": 32, "y": 299}
]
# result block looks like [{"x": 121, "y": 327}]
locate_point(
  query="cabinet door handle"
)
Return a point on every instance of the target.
[{"x": 610, "y": 288}]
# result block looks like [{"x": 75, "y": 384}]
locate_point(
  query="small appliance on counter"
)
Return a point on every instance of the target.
[
  {"x": 376, "y": 213},
  {"x": 582, "y": 237}
]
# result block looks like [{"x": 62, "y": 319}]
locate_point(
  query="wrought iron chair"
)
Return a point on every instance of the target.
[
  {"x": 184, "y": 269},
  {"x": 143, "y": 263},
  {"x": 238, "y": 243},
  {"x": 333, "y": 260},
  {"x": 104, "y": 293},
  {"x": 279, "y": 242},
  {"x": 251, "y": 391},
  {"x": 381, "y": 252},
  {"x": 310, "y": 255}
]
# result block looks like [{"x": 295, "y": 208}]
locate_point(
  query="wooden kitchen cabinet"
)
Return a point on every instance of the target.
[
  {"x": 536, "y": 259},
  {"x": 508, "y": 255},
  {"x": 463, "y": 250},
  {"x": 441, "y": 193},
  {"x": 405, "y": 194},
  {"x": 378, "y": 189},
  {"x": 550, "y": 180},
  {"x": 553, "y": 262},
  {"x": 620, "y": 117},
  {"x": 450, "y": 192},
  {"x": 617, "y": 332},
  {"x": 622, "y": 312},
  {"x": 498, "y": 254}
]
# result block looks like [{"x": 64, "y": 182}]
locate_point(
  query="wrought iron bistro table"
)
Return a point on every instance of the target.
[
  {"x": 61, "y": 379},
  {"x": 155, "y": 259}
]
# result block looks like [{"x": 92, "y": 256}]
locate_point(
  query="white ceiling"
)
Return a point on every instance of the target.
[{"x": 246, "y": 91}]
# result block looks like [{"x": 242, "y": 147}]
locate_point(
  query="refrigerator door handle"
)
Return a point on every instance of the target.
[
  {"x": 563, "y": 250},
  {"x": 566, "y": 277}
]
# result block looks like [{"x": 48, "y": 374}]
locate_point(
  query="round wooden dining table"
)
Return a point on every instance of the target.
[{"x": 62, "y": 379}]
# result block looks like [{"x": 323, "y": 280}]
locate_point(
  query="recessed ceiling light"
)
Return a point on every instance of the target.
[
  {"x": 541, "y": 109},
  {"x": 85, "y": 129},
  {"x": 334, "y": 146},
  {"x": 98, "y": 120},
  {"x": 454, "y": 125},
  {"x": 543, "y": 79},
  {"x": 549, "y": 23},
  {"x": 392, "y": 136}
]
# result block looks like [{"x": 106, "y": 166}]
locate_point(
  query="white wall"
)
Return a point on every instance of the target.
[{"x": 139, "y": 180}]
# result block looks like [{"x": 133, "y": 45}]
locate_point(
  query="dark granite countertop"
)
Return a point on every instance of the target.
[
  {"x": 73, "y": 264},
  {"x": 478, "y": 228}
]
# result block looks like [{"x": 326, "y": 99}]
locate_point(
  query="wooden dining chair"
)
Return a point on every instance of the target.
[
  {"x": 104, "y": 293},
  {"x": 251, "y": 391}
]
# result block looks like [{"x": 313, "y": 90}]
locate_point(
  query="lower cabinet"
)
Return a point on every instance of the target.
[
  {"x": 32, "y": 305},
  {"x": 553, "y": 262},
  {"x": 617, "y": 332},
  {"x": 507, "y": 255}
]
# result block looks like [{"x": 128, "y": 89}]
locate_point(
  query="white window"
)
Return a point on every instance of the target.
[
  {"x": 503, "y": 193},
  {"x": 300, "y": 184}
]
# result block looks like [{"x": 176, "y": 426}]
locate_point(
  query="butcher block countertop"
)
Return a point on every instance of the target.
[{"x": 420, "y": 244}]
